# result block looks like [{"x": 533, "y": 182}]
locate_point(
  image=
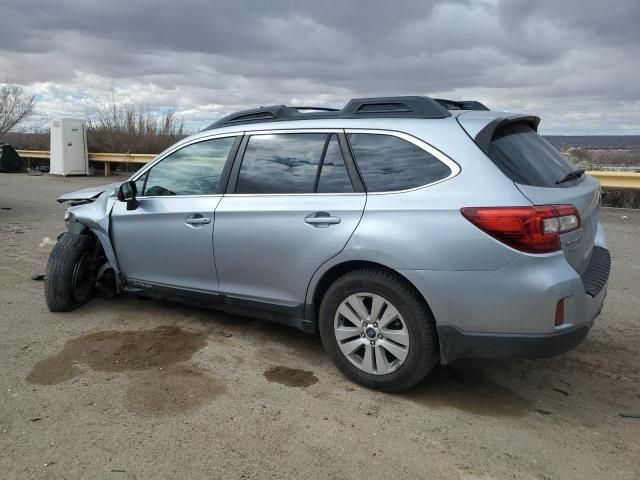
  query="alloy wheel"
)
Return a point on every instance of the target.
[{"x": 371, "y": 333}]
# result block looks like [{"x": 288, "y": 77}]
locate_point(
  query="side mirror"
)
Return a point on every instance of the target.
[{"x": 127, "y": 193}]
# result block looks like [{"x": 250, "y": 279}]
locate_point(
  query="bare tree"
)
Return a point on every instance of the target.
[
  {"x": 121, "y": 126},
  {"x": 15, "y": 106}
]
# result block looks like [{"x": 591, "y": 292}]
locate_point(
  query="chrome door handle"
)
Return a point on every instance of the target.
[
  {"x": 322, "y": 219},
  {"x": 197, "y": 221}
]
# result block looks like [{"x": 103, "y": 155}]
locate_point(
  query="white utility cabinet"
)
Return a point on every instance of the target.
[{"x": 69, "y": 147}]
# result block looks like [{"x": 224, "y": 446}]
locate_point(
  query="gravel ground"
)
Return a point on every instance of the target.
[{"x": 137, "y": 389}]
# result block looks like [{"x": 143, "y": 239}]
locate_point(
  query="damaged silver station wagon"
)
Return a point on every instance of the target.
[{"x": 403, "y": 230}]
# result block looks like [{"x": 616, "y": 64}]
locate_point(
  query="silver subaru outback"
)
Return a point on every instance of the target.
[{"x": 402, "y": 230}]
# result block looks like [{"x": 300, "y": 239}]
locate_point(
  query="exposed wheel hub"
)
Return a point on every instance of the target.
[{"x": 82, "y": 278}]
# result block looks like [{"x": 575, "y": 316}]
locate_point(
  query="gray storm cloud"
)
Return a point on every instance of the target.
[{"x": 574, "y": 62}]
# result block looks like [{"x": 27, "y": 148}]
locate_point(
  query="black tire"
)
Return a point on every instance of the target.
[
  {"x": 423, "y": 339},
  {"x": 59, "y": 290}
]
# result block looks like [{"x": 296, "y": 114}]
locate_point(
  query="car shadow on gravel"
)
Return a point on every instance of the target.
[{"x": 470, "y": 389}]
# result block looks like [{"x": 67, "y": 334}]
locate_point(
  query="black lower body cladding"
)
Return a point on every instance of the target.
[{"x": 455, "y": 344}]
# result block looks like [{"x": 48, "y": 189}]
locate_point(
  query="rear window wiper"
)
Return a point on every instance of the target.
[{"x": 571, "y": 176}]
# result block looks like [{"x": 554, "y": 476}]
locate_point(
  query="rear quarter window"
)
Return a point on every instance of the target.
[
  {"x": 527, "y": 158},
  {"x": 389, "y": 163}
]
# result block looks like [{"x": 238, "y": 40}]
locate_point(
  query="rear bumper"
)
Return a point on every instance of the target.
[
  {"x": 457, "y": 344},
  {"x": 510, "y": 313}
]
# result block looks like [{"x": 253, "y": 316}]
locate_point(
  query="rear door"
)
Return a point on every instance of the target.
[
  {"x": 291, "y": 206},
  {"x": 540, "y": 173}
]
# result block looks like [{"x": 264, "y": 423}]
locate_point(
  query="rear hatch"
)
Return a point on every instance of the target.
[{"x": 543, "y": 176}]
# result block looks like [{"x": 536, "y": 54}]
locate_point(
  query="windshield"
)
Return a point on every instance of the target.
[{"x": 527, "y": 158}]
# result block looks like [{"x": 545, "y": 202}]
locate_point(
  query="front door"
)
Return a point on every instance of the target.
[
  {"x": 293, "y": 207},
  {"x": 167, "y": 241}
]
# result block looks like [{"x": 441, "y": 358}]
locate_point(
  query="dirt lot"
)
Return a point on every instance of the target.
[{"x": 137, "y": 389}]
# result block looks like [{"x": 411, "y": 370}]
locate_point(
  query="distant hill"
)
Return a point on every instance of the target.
[{"x": 595, "y": 142}]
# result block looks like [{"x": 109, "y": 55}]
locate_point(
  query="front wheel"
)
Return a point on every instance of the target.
[
  {"x": 378, "y": 330},
  {"x": 70, "y": 274}
]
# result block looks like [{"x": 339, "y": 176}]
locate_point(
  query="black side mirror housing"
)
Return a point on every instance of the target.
[{"x": 127, "y": 193}]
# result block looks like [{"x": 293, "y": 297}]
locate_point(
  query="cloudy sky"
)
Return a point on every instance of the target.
[{"x": 574, "y": 62}]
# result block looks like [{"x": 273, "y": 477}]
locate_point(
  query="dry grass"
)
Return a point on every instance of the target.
[
  {"x": 27, "y": 141},
  {"x": 123, "y": 127},
  {"x": 604, "y": 159},
  {"x": 115, "y": 127}
]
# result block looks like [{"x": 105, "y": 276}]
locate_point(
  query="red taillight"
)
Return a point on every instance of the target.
[{"x": 534, "y": 229}]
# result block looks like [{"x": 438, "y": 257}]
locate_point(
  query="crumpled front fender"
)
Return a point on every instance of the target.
[
  {"x": 87, "y": 193},
  {"x": 96, "y": 217}
]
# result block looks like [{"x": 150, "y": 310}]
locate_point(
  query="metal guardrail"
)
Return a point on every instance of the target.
[
  {"x": 106, "y": 158},
  {"x": 624, "y": 180}
]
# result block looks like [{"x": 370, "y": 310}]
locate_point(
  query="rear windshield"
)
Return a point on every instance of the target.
[{"x": 527, "y": 158}]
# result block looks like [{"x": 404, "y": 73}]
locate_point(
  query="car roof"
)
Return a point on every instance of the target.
[
  {"x": 395, "y": 124},
  {"x": 375, "y": 107},
  {"x": 417, "y": 113},
  {"x": 466, "y": 118}
]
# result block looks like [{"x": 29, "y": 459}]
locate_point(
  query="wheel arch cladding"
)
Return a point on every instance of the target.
[{"x": 328, "y": 277}]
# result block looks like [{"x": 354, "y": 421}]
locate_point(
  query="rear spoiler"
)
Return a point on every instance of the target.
[{"x": 485, "y": 136}]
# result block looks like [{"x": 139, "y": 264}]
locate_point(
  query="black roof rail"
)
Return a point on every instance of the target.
[
  {"x": 320, "y": 109},
  {"x": 413, "y": 107},
  {"x": 262, "y": 114},
  {"x": 461, "y": 104},
  {"x": 376, "y": 107}
]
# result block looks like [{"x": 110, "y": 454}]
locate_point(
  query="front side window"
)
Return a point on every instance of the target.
[
  {"x": 292, "y": 163},
  {"x": 388, "y": 163},
  {"x": 193, "y": 170}
]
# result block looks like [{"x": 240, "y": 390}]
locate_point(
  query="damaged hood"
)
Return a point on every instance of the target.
[{"x": 88, "y": 193}]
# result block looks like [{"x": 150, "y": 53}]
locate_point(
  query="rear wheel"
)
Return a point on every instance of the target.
[
  {"x": 71, "y": 272},
  {"x": 378, "y": 330}
]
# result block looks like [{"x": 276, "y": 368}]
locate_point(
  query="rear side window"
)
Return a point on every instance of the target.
[
  {"x": 388, "y": 163},
  {"x": 292, "y": 163},
  {"x": 527, "y": 158}
]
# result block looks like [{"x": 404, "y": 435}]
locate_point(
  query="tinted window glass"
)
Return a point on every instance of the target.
[
  {"x": 527, "y": 158},
  {"x": 192, "y": 170},
  {"x": 281, "y": 163},
  {"x": 389, "y": 163},
  {"x": 334, "y": 177}
]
